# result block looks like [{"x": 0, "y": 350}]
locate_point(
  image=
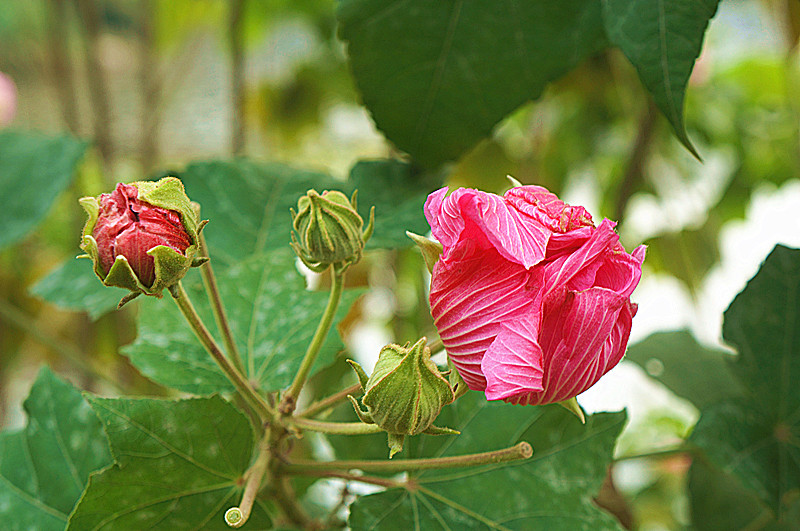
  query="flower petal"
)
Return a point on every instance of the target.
[
  {"x": 513, "y": 363},
  {"x": 487, "y": 220},
  {"x": 471, "y": 299},
  {"x": 574, "y": 333}
]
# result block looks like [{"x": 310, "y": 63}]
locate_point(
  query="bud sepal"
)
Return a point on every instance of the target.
[{"x": 404, "y": 394}]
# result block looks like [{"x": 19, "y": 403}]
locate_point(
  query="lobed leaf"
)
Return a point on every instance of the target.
[
  {"x": 272, "y": 316},
  {"x": 755, "y": 437},
  {"x": 179, "y": 467},
  {"x": 45, "y": 466},
  {"x": 438, "y": 76},
  {"x": 662, "y": 39}
]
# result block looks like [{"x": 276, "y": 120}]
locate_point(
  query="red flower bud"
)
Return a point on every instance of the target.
[
  {"x": 142, "y": 236},
  {"x": 130, "y": 227}
]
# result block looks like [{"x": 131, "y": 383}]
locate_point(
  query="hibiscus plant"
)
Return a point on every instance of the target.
[{"x": 255, "y": 405}]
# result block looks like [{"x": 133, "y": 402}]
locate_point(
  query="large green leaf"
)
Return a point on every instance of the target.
[
  {"x": 700, "y": 375},
  {"x": 34, "y": 170},
  {"x": 398, "y": 195},
  {"x": 272, "y": 317},
  {"x": 74, "y": 285},
  {"x": 720, "y": 503},
  {"x": 662, "y": 38},
  {"x": 45, "y": 466},
  {"x": 248, "y": 204},
  {"x": 438, "y": 76},
  {"x": 179, "y": 467},
  {"x": 756, "y": 437},
  {"x": 552, "y": 490}
]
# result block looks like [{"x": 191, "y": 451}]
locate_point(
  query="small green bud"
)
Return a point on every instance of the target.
[
  {"x": 405, "y": 393},
  {"x": 143, "y": 236},
  {"x": 327, "y": 230}
]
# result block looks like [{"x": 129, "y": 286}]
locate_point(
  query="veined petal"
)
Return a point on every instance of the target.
[
  {"x": 471, "y": 299},
  {"x": 575, "y": 330},
  {"x": 513, "y": 363},
  {"x": 564, "y": 267},
  {"x": 488, "y": 220}
]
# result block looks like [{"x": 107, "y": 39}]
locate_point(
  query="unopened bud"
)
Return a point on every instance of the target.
[
  {"x": 142, "y": 236},
  {"x": 328, "y": 230},
  {"x": 405, "y": 393}
]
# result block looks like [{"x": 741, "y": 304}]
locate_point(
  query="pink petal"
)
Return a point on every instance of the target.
[
  {"x": 513, "y": 363},
  {"x": 471, "y": 299},
  {"x": 582, "y": 337},
  {"x": 544, "y": 206},
  {"x": 561, "y": 269},
  {"x": 487, "y": 220}
]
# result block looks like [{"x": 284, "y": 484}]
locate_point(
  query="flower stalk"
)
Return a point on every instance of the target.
[
  {"x": 325, "y": 404},
  {"x": 210, "y": 282},
  {"x": 289, "y": 400},
  {"x": 237, "y": 379}
]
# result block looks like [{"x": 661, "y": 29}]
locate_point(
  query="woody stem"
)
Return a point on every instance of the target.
[
  {"x": 517, "y": 452},
  {"x": 208, "y": 342},
  {"x": 238, "y": 516},
  {"x": 289, "y": 401}
]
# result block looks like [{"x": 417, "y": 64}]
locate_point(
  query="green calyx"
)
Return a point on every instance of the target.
[
  {"x": 170, "y": 265},
  {"x": 405, "y": 393},
  {"x": 328, "y": 230},
  {"x": 431, "y": 250}
]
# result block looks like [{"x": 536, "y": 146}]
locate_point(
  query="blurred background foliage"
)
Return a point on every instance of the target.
[{"x": 158, "y": 83}]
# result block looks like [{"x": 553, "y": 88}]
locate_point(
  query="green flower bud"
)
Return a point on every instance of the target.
[
  {"x": 143, "y": 236},
  {"x": 327, "y": 230},
  {"x": 405, "y": 393}
]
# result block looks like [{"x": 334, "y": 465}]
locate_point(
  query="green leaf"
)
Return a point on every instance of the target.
[
  {"x": 552, "y": 490},
  {"x": 719, "y": 502},
  {"x": 662, "y": 39},
  {"x": 34, "y": 170},
  {"x": 398, "y": 195},
  {"x": 74, "y": 286},
  {"x": 272, "y": 318},
  {"x": 462, "y": 66},
  {"x": 248, "y": 204},
  {"x": 179, "y": 466},
  {"x": 756, "y": 437},
  {"x": 45, "y": 466},
  {"x": 700, "y": 375}
]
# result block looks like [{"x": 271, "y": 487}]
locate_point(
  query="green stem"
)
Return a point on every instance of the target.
[
  {"x": 289, "y": 401},
  {"x": 287, "y": 500},
  {"x": 210, "y": 282},
  {"x": 238, "y": 516},
  {"x": 327, "y": 403},
  {"x": 340, "y": 428},
  {"x": 658, "y": 454},
  {"x": 371, "y": 480},
  {"x": 520, "y": 451},
  {"x": 436, "y": 346},
  {"x": 202, "y": 333}
]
